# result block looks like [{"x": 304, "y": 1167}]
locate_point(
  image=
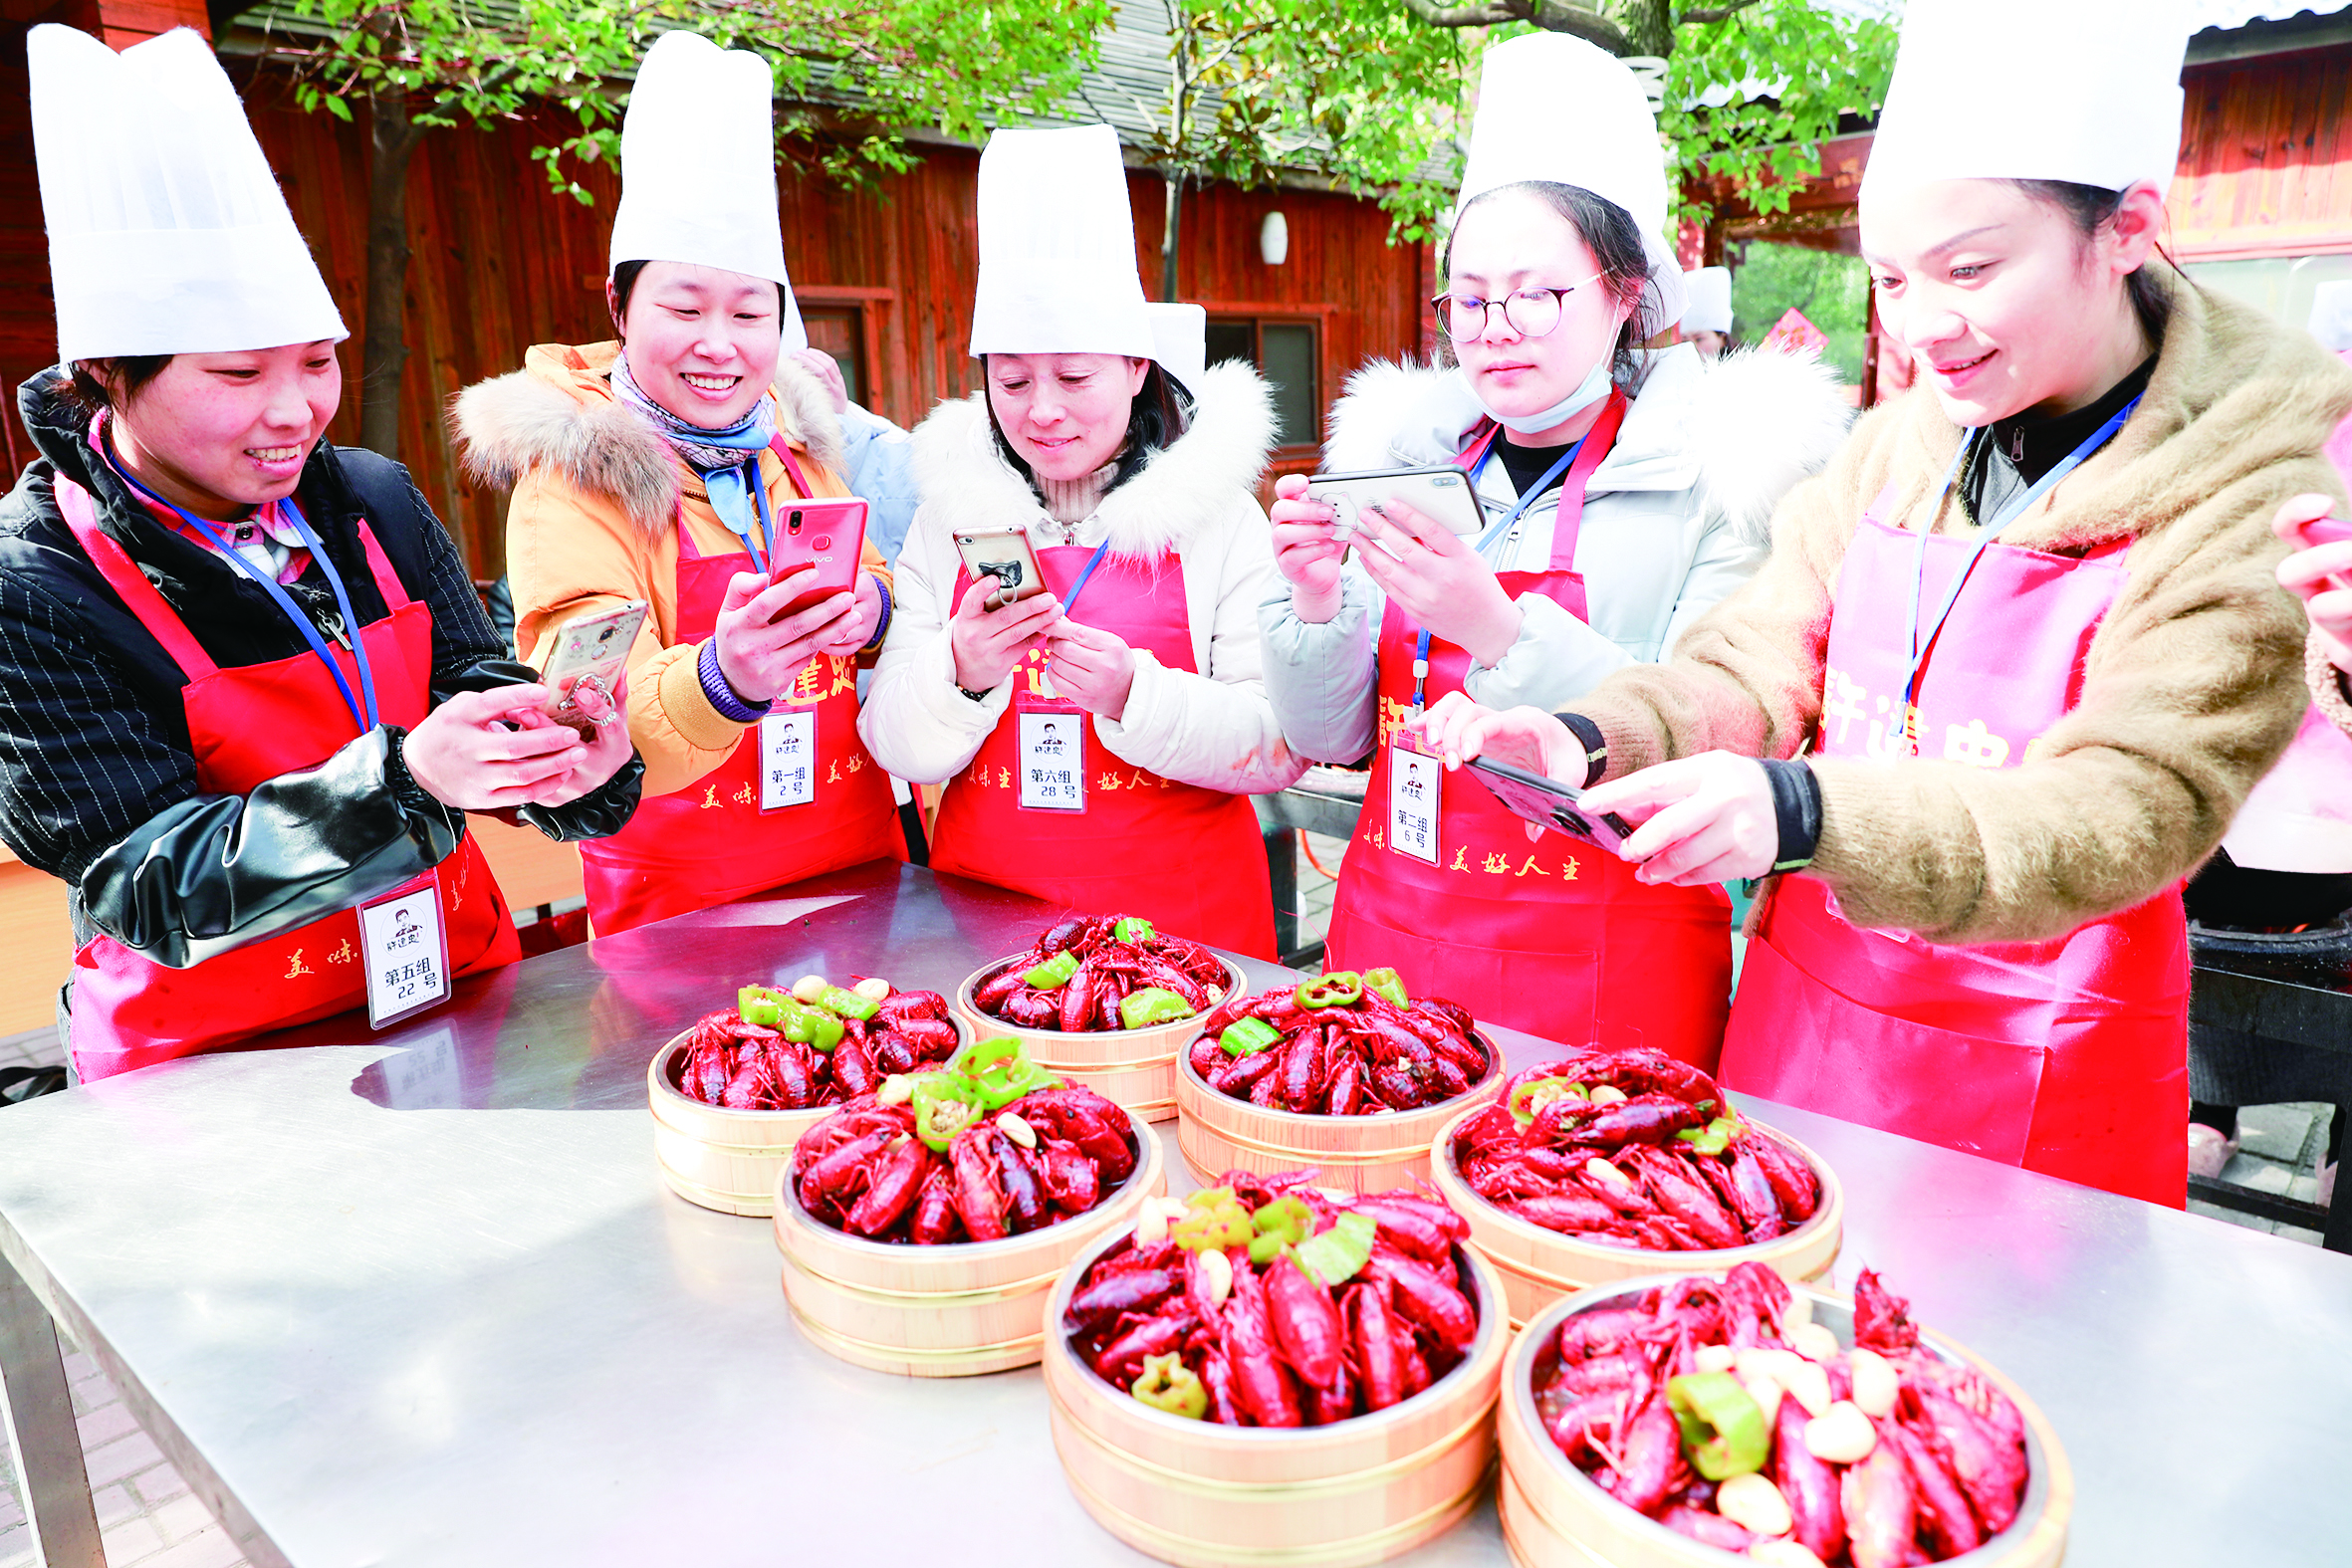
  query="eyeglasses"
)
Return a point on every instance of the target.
[{"x": 1531, "y": 313}]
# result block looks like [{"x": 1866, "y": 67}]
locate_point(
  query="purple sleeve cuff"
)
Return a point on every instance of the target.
[{"x": 714, "y": 686}]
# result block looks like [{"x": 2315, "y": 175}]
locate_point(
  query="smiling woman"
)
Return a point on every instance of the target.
[{"x": 246, "y": 689}]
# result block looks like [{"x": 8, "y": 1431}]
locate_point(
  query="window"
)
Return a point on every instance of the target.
[
  {"x": 1285, "y": 353},
  {"x": 839, "y": 331},
  {"x": 2280, "y": 285}
]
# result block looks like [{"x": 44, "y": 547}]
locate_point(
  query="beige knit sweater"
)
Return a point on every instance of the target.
[{"x": 2194, "y": 684}]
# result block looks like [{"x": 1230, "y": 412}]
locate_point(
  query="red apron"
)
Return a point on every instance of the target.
[
  {"x": 2069, "y": 1056},
  {"x": 710, "y": 844},
  {"x": 1187, "y": 858},
  {"x": 246, "y": 726},
  {"x": 1553, "y": 936}
]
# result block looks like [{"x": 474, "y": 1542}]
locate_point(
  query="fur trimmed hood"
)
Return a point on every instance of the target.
[
  {"x": 1741, "y": 431},
  {"x": 1195, "y": 480},
  {"x": 558, "y": 412}
]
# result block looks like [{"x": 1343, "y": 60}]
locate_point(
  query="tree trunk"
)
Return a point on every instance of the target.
[
  {"x": 395, "y": 137},
  {"x": 1649, "y": 27},
  {"x": 1168, "y": 236}
]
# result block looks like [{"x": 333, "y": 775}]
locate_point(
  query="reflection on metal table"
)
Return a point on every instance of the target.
[{"x": 421, "y": 1298}]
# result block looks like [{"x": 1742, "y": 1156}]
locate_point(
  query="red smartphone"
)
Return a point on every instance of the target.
[{"x": 828, "y": 534}]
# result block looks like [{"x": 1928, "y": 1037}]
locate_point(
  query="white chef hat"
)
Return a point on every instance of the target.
[
  {"x": 2087, "y": 92},
  {"x": 698, "y": 165},
  {"x": 167, "y": 233},
  {"x": 1057, "y": 248},
  {"x": 1554, "y": 108},
  {"x": 1180, "y": 342},
  {"x": 2331, "y": 316},
  {"x": 1710, "y": 290}
]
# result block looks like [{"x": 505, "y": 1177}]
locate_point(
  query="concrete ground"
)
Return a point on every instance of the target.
[{"x": 149, "y": 1518}]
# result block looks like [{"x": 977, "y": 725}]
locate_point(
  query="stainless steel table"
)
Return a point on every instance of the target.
[{"x": 421, "y": 1299}]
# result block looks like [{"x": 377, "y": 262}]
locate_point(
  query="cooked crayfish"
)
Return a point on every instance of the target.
[
  {"x": 1355, "y": 1306},
  {"x": 1339, "y": 1046},
  {"x": 1706, "y": 1406},
  {"x": 1633, "y": 1149},
  {"x": 1087, "y": 968},
  {"x": 755, "y": 1068}
]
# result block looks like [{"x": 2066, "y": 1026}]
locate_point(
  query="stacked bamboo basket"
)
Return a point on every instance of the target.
[
  {"x": 1135, "y": 1069},
  {"x": 1539, "y": 1266},
  {"x": 724, "y": 1159},
  {"x": 1554, "y": 1516},
  {"x": 1204, "y": 1496},
  {"x": 944, "y": 1311},
  {"x": 1364, "y": 1153}
]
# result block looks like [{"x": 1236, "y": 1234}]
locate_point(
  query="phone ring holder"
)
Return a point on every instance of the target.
[{"x": 569, "y": 709}]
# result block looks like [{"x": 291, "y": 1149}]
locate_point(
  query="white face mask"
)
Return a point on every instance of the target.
[{"x": 1591, "y": 390}]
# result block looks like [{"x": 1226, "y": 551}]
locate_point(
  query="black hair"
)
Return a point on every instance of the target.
[
  {"x": 2091, "y": 208},
  {"x": 85, "y": 380},
  {"x": 1614, "y": 239},
  {"x": 625, "y": 284},
  {"x": 1157, "y": 420}
]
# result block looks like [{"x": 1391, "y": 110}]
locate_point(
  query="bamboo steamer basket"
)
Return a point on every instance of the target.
[
  {"x": 1135, "y": 1069},
  {"x": 1539, "y": 1266},
  {"x": 1554, "y": 1516},
  {"x": 719, "y": 1158},
  {"x": 1364, "y": 1153},
  {"x": 1204, "y": 1496},
  {"x": 943, "y": 1311}
]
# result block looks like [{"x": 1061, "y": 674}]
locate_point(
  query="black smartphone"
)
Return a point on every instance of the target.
[{"x": 1550, "y": 803}]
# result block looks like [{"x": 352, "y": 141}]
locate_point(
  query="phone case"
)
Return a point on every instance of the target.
[
  {"x": 828, "y": 534},
  {"x": 1550, "y": 803},
  {"x": 1006, "y": 556},
  {"x": 590, "y": 651},
  {"x": 1442, "y": 492}
]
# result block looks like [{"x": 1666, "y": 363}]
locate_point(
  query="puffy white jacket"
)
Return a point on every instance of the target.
[
  {"x": 1677, "y": 515},
  {"x": 1216, "y": 727}
]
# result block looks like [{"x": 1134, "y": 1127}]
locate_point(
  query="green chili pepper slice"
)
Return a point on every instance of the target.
[
  {"x": 1140, "y": 1009},
  {"x": 1388, "y": 983},
  {"x": 1333, "y": 1258},
  {"x": 1000, "y": 1071},
  {"x": 845, "y": 1004},
  {"x": 1723, "y": 1427},
  {"x": 1053, "y": 974},
  {"x": 1530, "y": 1096},
  {"x": 1342, "y": 988},
  {"x": 945, "y": 1103},
  {"x": 1214, "y": 1220},
  {"x": 1714, "y": 1137},
  {"x": 1276, "y": 1226},
  {"x": 811, "y": 1027},
  {"x": 759, "y": 1005},
  {"x": 1168, "y": 1384},
  {"x": 1248, "y": 1036},
  {"x": 1133, "y": 928}
]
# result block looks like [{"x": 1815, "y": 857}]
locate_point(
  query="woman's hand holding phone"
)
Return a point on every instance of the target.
[
  {"x": 2319, "y": 572},
  {"x": 1457, "y": 729},
  {"x": 848, "y": 637},
  {"x": 494, "y": 750},
  {"x": 1704, "y": 818},
  {"x": 987, "y": 643},
  {"x": 1439, "y": 581},
  {"x": 759, "y": 653},
  {"x": 1094, "y": 669},
  {"x": 1304, "y": 550}
]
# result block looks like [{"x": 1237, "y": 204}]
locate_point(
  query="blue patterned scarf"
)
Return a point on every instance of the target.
[{"x": 728, "y": 460}]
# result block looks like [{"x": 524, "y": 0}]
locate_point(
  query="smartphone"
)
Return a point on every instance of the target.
[
  {"x": 1006, "y": 556},
  {"x": 1442, "y": 492},
  {"x": 1550, "y": 803},
  {"x": 591, "y": 652},
  {"x": 828, "y": 534}
]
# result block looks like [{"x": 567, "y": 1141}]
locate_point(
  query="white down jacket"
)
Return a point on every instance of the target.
[
  {"x": 1676, "y": 516},
  {"x": 1216, "y": 727}
]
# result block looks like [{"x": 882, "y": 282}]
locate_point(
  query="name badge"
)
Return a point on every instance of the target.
[
  {"x": 788, "y": 759},
  {"x": 406, "y": 949},
  {"x": 1414, "y": 784},
  {"x": 1053, "y": 761}
]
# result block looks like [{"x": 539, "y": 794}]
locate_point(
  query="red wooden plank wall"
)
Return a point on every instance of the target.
[
  {"x": 500, "y": 262},
  {"x": 2265, "y": 157}
]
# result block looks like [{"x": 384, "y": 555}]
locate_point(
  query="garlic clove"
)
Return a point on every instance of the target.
[
  {"x": 809, "y": 987},
  {"x": 896, "y": 1089},
  {"x": 873, "y": 987},
  {"x": 1605, "y": 1094},
  {"x": 1798, "y": 1311},
  {"x": 1217, "y": 1274},
  {"x": 1712, "y": 1358},
  {"x": 1151, "y": 1225},
  {"x": 1876, "y": 1387},
  {"x": 1814, "y": 1341},
  {"x": 1012, "y": 1126},
  {"x": 1602, "y": 1170},
  {"x": 1807, "y": 1383},
  {"x": 1755, "y": 1503},
  {"x": 1842, "y": 1435}
]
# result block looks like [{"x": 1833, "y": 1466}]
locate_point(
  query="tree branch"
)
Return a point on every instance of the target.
[
  {"x": 1701, "y": 15},
  {"x": 1553, "y": 16},
  {"x": 1480, "y": 13}
]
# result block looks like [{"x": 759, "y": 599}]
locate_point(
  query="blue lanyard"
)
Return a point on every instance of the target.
[
  {"x": 1070, "y": 601},
  {"x": 767, "y": 520},
  {"x": 363, "y": 707},
  {"x": 2010, "y": 513},
  {"x": 1534, "y": 493}
]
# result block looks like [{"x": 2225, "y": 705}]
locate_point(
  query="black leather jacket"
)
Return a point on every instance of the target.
[{"x": 97, "y": 780}]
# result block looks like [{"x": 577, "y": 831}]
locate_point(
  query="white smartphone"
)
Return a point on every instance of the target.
[
  {"x": 1442, "y": 492},
  {"x": 590, "y": 654},
  {"x": 1006, "y": 556}
]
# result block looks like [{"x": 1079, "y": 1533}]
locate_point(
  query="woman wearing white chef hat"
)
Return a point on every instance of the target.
[
  {"x": 247, "y": 693},
  {"x": 2026, "y": 626},
  {"x": 663, "y": 467},
  {"x": 1625, "y": 492},
  {"x": 1706, "y": 323},
  {"x": 1129, "y": 468}
]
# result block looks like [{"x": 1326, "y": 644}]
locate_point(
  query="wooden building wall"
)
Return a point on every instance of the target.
[
  {"x": 500, "y": 262},
  {"x": 2265, "y": 157}
]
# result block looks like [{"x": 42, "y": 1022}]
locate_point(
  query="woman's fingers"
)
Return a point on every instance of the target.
[
  {"x": 2288, "y": 523},
  {"x": 1637, "y": 796},
  {"x": 2307, "y": 572}
]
